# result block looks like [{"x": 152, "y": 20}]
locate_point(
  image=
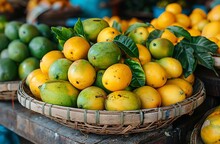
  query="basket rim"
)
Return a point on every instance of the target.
[
  {"x": 9, "y": 86},
  {"x": 135, "y": 119}
]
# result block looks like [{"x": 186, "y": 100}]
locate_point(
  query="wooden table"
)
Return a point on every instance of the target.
[{"x": 42, "y": 130}]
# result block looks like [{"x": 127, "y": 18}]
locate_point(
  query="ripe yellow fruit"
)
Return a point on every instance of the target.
[
  {"x": 48, "y": 59},
  {"x": 169, "y": 35},
  {"x": 117, "y": 77},
  {"x": 195, "y": 18},
  {"x": 32, "y": 74},
  {"x": 155, "y": 74},
  {"x": 171, "y": 94},
  {"x": 174, "y": 8},
  {"x": 144, "y": 54},
  {"x": 37, "y": 81},
  {"x": 150, "y": 97},
  {"x": 190, "y": 78},
  {"x": 214, "y": 14},
  {"x": 165, "y": 19},
  {"x": 200, "y": 25},
  {"x": 172, "y": 67},
  {"x": 122, "y": 100},
  {"x": 81, "y": 74},
  {"x": 183, "y": 84},
  {"x": 76, "y": 48},
  {"x": 211, "y": 29},
  {"x": 92, "y": 98},
  {"x": 183, "y": 20},
  {"x": 199, "y": 11},
  {"x": 107, "y": 34},
  {"x": 210, "y": 131},
  {"x": 194, "y": 32}
]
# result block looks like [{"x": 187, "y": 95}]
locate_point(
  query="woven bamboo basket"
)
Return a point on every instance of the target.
[
  {"x": 8, "y": 90},
  {"x": 195, "y": 137},
  {"x": 113, "y": 122}
]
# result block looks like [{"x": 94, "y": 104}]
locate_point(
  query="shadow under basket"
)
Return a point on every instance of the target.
[
  {"x": 113, "y": 122},
  {"x": 8, "y": 90}
]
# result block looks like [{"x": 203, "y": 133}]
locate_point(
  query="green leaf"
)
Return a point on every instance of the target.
[
  {"x": 202, "y": 44},
  {"x": 196, "y": 51},
  {"x": 153, "y": 35},
  {"x": 63, "y": 34},
  {"x": 185, "y": 54},
  {"x": 78, "y": 27},
  {"x": 206, "y": 60},
  {"x": 138, "y": 75},
  {"x": 127, "y": 45},
  {"x": 117, "y": 26},
  {"x": 179, "y": 32},
  {"x": 134, "y": 26}
]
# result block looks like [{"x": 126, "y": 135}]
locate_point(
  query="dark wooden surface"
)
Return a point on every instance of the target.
[
  {"x": 210, "y": 79},
  {"x": 42, "y": 130}
]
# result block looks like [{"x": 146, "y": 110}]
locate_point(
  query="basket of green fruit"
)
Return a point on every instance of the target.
[
  {"x": 22, "y": 46},
  {"x": 105, "y": 81}
]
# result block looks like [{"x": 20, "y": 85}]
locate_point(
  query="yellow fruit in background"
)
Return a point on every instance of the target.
[
  {"x": 214, "y": 14},
  {"x": 201, "y": 24},
  {"x": 210, "y": 131},
  {"x": 117, "y": 77},
  {"x": 150, "y": 97},
  {"x": 122, "y": 101},
  {"x": 199, "y": 11},
  {"x": 31, "y": 75},
  {"x": 165, "y": 19},
  {"x": 150, "y": 29},
  {"x": 171, "y": 94},
  {"x": 81, "y": 74},
  {"x": 213, "y": 39},
  {"x": 107, "y": 34},
  {"x": 76, "y": 48},
  {"x": 211, "y": 29},
  {"x": 195, "y": 18},
  {"x": 114, "y": 18},
  {"x": 190, "y": 78},
  {"x": 218, "y": 36},
  {"x": 34, "y": 83},
  {"x": 174, "y": 8},
  {"x": 92, "y": 98},
  {"x": 183, "y": 20},
  {"x": 154, "y": 23},
  {"x": 169, "y": 35},
  {"x": 172, "y": 66},
  {"x": 106, "y": 18},
  {"x": 133, "y": 20},
  {"x": 155, "y": 74},
  {"x": 194, "y": 32},
  {"x": 124, "y": 25},
  {"x": 48, "y": 59},
  {"x": 144, "y": 54},
  {"x": 183, "y": 84}
]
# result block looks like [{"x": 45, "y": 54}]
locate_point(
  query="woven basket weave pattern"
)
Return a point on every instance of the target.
[{"x": 113, "y": 122}]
